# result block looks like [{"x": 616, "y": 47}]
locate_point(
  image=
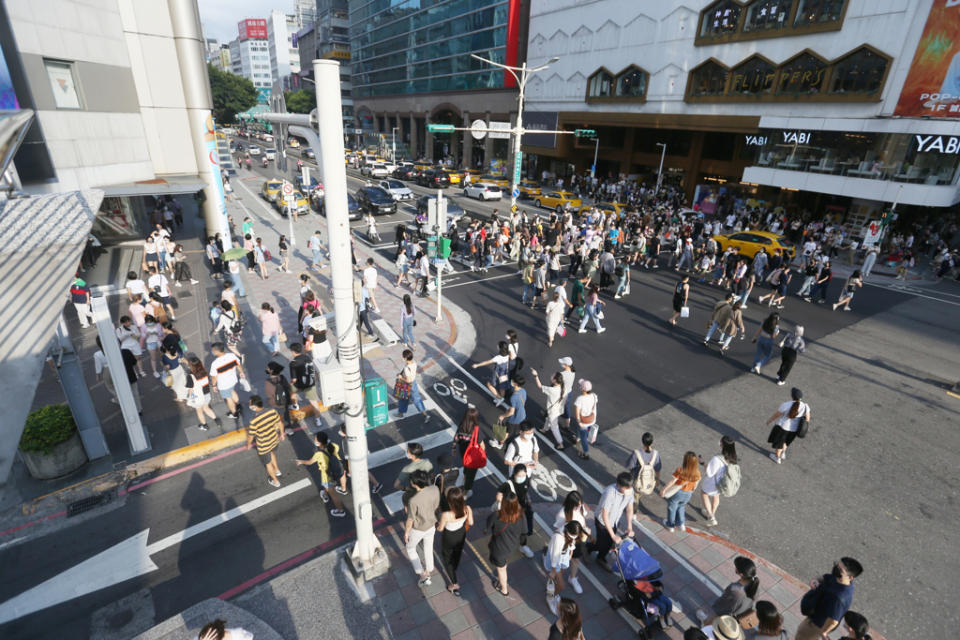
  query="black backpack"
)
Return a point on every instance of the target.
[
  {"x": 810, "y": 600},
  {"x": 236, "y": 322},
  {"x": 302, "y": 372}
]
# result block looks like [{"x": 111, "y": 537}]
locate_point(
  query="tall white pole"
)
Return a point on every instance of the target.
[
  {"x": 663, "y": 154},
  {"x": 367, "y": 553},
  {"x": 596, "y": 150},
  {"x": 517, "y": 133},
  {"x": 438, "y": 233}
]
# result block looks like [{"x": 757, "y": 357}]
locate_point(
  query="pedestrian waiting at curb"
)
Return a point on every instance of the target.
[
  {"x": 857, "y": 626},
  {"x": 718, "y": 470},
  {"x": 644, "y": 465},
  {"x": 678, "y": 491},
  {"x": 769, "y": 623},
  {"x": 737, "y": 598},
  {"x": 828, "y": 600}
]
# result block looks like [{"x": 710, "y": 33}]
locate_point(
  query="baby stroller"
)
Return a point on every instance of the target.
[{"x": 641, "y": 592}]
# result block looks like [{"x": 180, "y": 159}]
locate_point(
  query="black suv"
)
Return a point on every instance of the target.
[
  {"x": 376, "y": 201},
  {"x": 406, "y": 172},
  {"x": 434, "y": 178}
]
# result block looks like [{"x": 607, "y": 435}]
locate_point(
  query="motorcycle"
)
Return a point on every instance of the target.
[
  {"x": 249, "y": 165},
  {"x": 264, "y": 163}
]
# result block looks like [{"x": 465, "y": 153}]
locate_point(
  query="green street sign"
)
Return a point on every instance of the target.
[
  {"x": 440, "y": 128},
  {"x": 444, "y": 247},
  {"x": 585, "y": 133}
]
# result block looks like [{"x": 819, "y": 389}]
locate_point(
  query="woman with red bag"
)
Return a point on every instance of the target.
[{"x": 467, "y": 439}]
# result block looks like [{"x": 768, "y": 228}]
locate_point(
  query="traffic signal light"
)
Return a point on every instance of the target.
[{"x": 585, "y": 133}]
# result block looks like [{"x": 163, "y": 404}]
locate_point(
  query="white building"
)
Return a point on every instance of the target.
[
  {"x": 284, "y": 56},
  {"x": 250, "y": 53},
  {"x": 815, "y": 104}
]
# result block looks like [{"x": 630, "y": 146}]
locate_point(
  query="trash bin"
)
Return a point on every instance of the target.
[{"x": 376, "y": 402}]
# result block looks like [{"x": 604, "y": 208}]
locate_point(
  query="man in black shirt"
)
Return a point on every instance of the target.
[{"x": 130, "y": 365}]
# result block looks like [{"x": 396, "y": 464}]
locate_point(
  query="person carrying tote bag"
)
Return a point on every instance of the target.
[{"x": 471, "y": 449}]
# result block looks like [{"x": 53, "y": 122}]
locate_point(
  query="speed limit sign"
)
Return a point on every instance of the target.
[{"x": 287, "y": 189}]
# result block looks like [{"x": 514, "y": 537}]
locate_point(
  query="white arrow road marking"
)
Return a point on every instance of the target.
[{"x": 131, "y": 558}]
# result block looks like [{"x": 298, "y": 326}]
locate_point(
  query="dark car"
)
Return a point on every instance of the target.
[
  {"x": 406, "y": 172},
  {"x": 434, "y": 178},
  {"x": 376, "y": 201},
  {"x": 353, "y": 207}
]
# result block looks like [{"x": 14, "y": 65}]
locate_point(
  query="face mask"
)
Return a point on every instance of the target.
[{"x": 520, "y": 478}]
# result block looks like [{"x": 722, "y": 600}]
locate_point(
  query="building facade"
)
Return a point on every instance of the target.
[
  {"x": 250, "y": 53},
  {"x": 816, "y": 104},
  {"x": 284, "y": 55},
  {"x": 412, "y": 65}
]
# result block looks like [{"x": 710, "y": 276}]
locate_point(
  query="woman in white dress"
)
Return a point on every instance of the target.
[
  {"x": 712, "y": 474},
  {"x": 555, "y": 309}
]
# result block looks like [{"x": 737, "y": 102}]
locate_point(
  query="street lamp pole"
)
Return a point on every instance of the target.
[
  {"x": 521, "y": 74},
  {"x": 596, "y": 148},
  {"x": 393, "y": 144},
  {"x": 663, "y": 154}
]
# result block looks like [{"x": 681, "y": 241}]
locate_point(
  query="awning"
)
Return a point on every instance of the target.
[
  {"x": 41, "y": 240},
  {"x": 166, "y": 186}
]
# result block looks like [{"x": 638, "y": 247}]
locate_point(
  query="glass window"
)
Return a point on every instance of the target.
[
  {"x": 802, "y": 75},
  {"x": 752, "y": 77},
  {"x": 721, "y": 19},
  {"x": 766, "y": 15},
  {"x": 709, "y": 79},
  {"x": 631, "y": 83},
  {"x": 811, "y": 12},
  {"x": 860, "y": 72},
  {"x": 599, "y": 85},
  {"x": 63, "y": 84}
]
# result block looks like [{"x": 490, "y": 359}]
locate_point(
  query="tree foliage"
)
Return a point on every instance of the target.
[
  {"x": 232, "y": 94},
  {"x": 303, "y": 101},
  {"x": 46, "y": 428}
]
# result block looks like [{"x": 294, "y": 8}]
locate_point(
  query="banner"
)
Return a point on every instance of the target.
[{"x": 932, "y": 87}]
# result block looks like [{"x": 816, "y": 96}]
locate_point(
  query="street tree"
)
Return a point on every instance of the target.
[
  {"x": 232, "y": 94},
  {"x": 301, "y": 101}
]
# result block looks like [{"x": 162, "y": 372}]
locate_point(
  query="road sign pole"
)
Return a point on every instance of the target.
[
  {"x": 517, "y": 134},
  {"x": 596, "y": 149},
  {"x": 437, "y": 231}
]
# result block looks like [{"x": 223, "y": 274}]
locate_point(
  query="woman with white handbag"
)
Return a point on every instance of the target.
[
  {"x": 585, "y": 411},
  {"x": 557, "y": 558},
  {"x": 198, "y": 393}
]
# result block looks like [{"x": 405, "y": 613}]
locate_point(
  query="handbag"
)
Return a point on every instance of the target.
[
  {"x": 802, "y": 427},
  {"x": 195, "y": 399},
  {"x": 474, "y": 457},
  {"x": 684, "y": 312},
  {"x": 401, "y": 388},
  {"x": 562, "y": 331},
  {"x": 671, "y": 491},
  {"x": 593, "y": 431},
  {"x": 245, "y": 385}
]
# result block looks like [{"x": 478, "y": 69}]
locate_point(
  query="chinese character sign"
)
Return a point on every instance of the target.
[{"x": 932, "y": 87}]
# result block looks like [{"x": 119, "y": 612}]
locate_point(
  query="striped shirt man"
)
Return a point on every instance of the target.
[{"x": 264, "y": 431}]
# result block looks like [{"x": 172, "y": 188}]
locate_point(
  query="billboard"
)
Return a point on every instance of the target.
[
  {"x": 252, "y": 29},
  {"x": 932, "y": 87},
  {"x": 544, "y": 121}
]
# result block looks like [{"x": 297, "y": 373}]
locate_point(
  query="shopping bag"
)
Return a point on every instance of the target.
[
  {"x": 684, "y": 312},
  {"x": 474, "y": 457},
  {"x": 245, "y": 385},
  {"x": 593, "y": 431},
  {"x": 561, "y": 331}
]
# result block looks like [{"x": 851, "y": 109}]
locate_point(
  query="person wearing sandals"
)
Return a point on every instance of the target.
[
  {"x": 453, "y": 526},
  {"x": 573, "y": 510},
  {"x": 787, "y": 421},
  {"x": 508, "y": 529}
]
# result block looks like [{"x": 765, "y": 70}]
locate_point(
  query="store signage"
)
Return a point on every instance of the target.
[
  {"x": 943, "y": 144},
  {"x": 756, "y": 141},
  {"x": 255, "y": 29},
  {"x": 796, "y": 137}
]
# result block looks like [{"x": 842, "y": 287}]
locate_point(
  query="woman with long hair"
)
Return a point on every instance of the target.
[
  {"x": 559, "y": 556},
  {"x": 453, "y": 525},
  {"x": 461, "y": 440},
  {"x": 764, "y": 341},
  {"x": 592, "y": 309},
  {"x": 712, "y": 473},
  {"x": 574, "y": 510},
  {"x": 786, "y": 421},
  {"x": 181, "y": 270},
  {"x": 151, "y": 334},
  {"x": 857, "y": 626},
  {"x": 681, "y": 486},
  {"x": 407, "y": 321},
  {"x": 569, "y": 624},
  {"x": 854, "y": 282},
  {"x": 508, "y": 530},
  {"x": 737, "y": 599},
  {"x": 769, "y": 623},
  {"x": 198, "y": 395}
]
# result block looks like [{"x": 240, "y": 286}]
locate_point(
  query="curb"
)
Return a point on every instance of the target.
[{"x": 188, "y": 453}]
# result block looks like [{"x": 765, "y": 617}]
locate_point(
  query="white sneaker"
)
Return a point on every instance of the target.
[
  {"x": 178, "y": 283},
  {"x": 683, "y": 528},
  {"x": 156, "y": 374},
  {"x": 575, "y": 583},
  {"x": 192, "y": 281},
  {"x": 495, "y": 444},
  {"x": 582, "y": 331},
  {"x": 601, "y": 330},
  {"x": 527, "y": 551},
  {"x": 552, "y": 602},
  {"x": 774, "y": 457},
  {"x": 318, "y": 422}
]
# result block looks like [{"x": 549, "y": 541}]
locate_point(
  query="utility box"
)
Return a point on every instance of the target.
[
  {"x": 376, "y": 402},
  {"x": 330, "y": 383}
]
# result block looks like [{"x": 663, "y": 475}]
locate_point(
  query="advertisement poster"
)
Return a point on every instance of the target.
[
  {"x": 932, "y": 87},
  {"x": 8, "y": 98},
  {"x": 706, "y": 197}
]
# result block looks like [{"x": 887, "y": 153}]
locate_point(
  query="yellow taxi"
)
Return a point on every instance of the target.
[
  {"x": 301, "y": 204},
  {"x": 528, "y": 189},
  {"x": 557, "y": 199},
  {"x": 270, "y": 189},
  {"x": 750, "y": 242},
  {"x": 605, "y": 207},
  {"x": 500, "y": 181},
  {"x": 422, "y": 166},
  {"x": 456, "y": 177}
]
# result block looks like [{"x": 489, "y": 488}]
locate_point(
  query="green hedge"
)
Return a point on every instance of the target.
[{"x": 46, "y": 428}]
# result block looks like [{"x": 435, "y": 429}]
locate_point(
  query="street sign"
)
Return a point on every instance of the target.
[
  {"x": 440, "y": 128},
  {"x": 872, "y": 233},
  {"x": 514, "y": 208},
  {"x": 516, "y": 193},
  {"x": 585, "y": 133},
  {"x": 517, "y": 159},
  {"x": 287, "y": 188},
  {"x": 477, "y": 129},
  {"x": 431, "y": 213},
  {"x": 503, "y": 132},
  {"x": 432, "y": 247}
]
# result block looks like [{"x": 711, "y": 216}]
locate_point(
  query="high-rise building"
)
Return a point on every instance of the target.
[
  {"x": 830, "y": 106},
  {"x": 250, "y": 53},
  {"x": 284, "y": 55},
  {"x": 411, "y": 66},
  {"x": 329, "y": 38}
]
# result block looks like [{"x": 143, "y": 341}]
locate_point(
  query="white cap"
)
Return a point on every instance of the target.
[{"x": 566, "y": 360}]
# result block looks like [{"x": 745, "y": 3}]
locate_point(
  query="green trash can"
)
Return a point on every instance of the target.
[{"x": 377, "y": 402}]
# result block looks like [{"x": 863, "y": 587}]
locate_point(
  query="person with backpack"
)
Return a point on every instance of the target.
[
  {"x": 303, "y": 379},
  {"x": 721, "y": 471},
  {"x": 787, "y": 425},
  {"x": 230, "y": 325},
  {"x": 327, "y": 459},
  {"x": 828, "y": 600},
  {"x": 279, "y": 393},
  {"x": 522, "y": 449},
  {"x": 644, "y": 464},
  {"x": 519, "y": 485}
]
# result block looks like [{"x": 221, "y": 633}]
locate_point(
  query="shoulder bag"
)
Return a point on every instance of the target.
[
  {"x": 474, "y": 457},
  {"x": 401, "y": 388}
]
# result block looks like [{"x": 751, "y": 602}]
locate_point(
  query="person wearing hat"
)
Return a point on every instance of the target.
[
  {"x": 786, "y": 421},
  {"x": 724, "y": 628}
]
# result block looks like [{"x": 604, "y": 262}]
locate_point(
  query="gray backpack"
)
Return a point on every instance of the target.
[{"x": 729, "y": 482}]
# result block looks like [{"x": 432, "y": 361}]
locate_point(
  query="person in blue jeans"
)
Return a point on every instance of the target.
[
  {"x": 687, "y": 476},
  {"x": 764, "y": 341},
  {"x": 407, "y": 321},
  {"x": 516, "y": 413},
  {"x": 409, "y": 373}
]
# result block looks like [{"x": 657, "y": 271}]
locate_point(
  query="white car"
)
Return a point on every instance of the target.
[
  {"x": 253, "y": 150},
  {"x": 270, "y": 154},
  {"x": 309, "y": 152},
  {"x": 376, "y": 170},
  {"x": 397, "y": 189},
  {"x": 483, "y": 191},
  {"x": 267, "y": 137}
]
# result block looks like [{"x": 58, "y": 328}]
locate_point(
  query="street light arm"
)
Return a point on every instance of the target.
[{"x": 512, "y": 70}]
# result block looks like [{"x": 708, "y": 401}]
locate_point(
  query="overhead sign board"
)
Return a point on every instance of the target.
[
  {"x": 440, "y": 128},
  {"x": 478, "y": 129},
  {"x": 503, "y": 132},
  {"x": 932, "y": 87},
  {"x": 544, "y": 121}
]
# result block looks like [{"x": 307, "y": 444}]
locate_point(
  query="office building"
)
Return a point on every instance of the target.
[
  {"x": 283, "y": 52},
  {"x": 250, "y": 53},
  {"x": 329, "y": 38},
  {"x": 819, "y": 105},
  {"x": 412, "y": 65}
]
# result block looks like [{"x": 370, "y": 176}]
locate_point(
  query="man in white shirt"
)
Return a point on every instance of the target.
[
  {"x": 136, "y": 288},
  {"x": 370, "y": 281},
  {"x": 159, "y": 284},
  {"x": 524, "y": 449},
  {"x": 225, "y": 372},
  {"x": 614, "y": 500}
]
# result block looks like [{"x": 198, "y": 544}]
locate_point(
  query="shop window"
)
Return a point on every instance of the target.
[
  {"x": 767, "y": 15},
  {"x": 720, "y": 19},
  {"x": 753, "y": 77},
  {"x": 860, "y": 72},
  {"x": 817, "y": 12},
  {"x": 631, "y": 83},
  {"x": 600, "y": 84},
  {"x": 708, "y": 80},
  {"x": 803, "y": 74}
]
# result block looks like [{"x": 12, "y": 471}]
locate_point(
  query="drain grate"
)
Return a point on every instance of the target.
[{"x": 82, "y": 506}]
